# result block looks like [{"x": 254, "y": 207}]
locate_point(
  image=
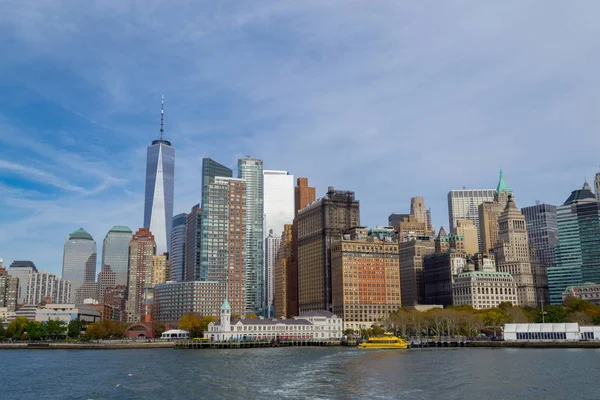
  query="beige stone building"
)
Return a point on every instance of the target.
[
  {"x": 411, "y": 255},
  {"x": 489, "y": 213},
  {"x": 281, "y": 273},
  {"x": 365, "y": 277},
  {"x": 484, "y": 289},
  {"x": 468, "y": 231},
  {"x": 161, "y": 269}
]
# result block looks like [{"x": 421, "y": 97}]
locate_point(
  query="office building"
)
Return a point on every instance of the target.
[
  {"x": 577, "y": 255},
  {"x": 411, "y": 253},
  {"x": 484, "y": 289},
  {"x": 320, "y": 224},
  {"x": 160, "y": 188},
  {"x": 411, "y": 225},
  {"x": 588, "y": 292},
  {"x": 513, "y": 254},
  {"x": 272, "y": 244},
  {"x": 161, "y": 269},
  {"x": 193, "y": 246},
  {"x": 281, "y": 274},
  {"x": 417, "y": 208},
  {"x": 142, "y": 249},
  {"x": 394, "y": 221},
  {"x": 365, "y": 277},
  {"x": 489, "y": 213},
  {"x": 464, "y": 204},
  {"x": 115, "y": 259},
  {"x": 251, "y": 171},
  {"x": 79, "y": 265},
  {"x": 172, "y": 300},
  {"x": 21, "y": 270},
  {"x": 597, "y": 186},
  {"x": 468, "y": 232},
  {"x": 43, "y": 287},
  {"x": 439, "y": 270},
  {"x": 9, "y": 289},
  {"x": 279, "y": 200},
  {"x": 178, "y": 249},
  {"x": 542, "y": 229}
]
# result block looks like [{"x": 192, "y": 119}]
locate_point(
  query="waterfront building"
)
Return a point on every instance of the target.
[
  {"x": 484, "y": 289},
  {"x": 577, "y": 255},
  {"x": 303, "y": 196},
  {"x": 67, "y": 313},
  {"x": 439, "y": 270},
  {"x": 513, "y": 254},
  {"x": 365, "y": 277},
  {"x": 115, "y": 259},
  {"x": 178, "y": 249},
  {"x": 320, "y": 224},
  {"x": 21, "y": 270},
  {"x": 489, "y": 212},
  {"x": 160, "y": 189},
  {"x": 272, "y": 245},
  {"x": 9, "y": 289},
  {"x": 468, "y": 232},
  {"x": 43, "y": 287},
  {"x": 79, "y": 265},
  {"x": 172, "y": 300},
  {"x": 588, "y": 291},
  {"x": 116, "y": 298},
  {"x": 550, "y": 332},
  {"x": 281, "y": 274},
  {"x": 193, "y": 245},
  {"x": 311, "y": 325},
  {"x": 411, "y": 253},
  {"x": 251, "y": 171},
  {"x": 542, "y": 230},
  {"x": 464, "y": 204},
  {"x": 161, "y": 269},
  {"x": 142, "y": 249}
]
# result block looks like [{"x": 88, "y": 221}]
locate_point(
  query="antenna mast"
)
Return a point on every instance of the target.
[{"x": 162, "y": 113}]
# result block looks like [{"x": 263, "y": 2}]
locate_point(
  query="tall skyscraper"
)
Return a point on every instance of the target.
[
  {"x": 542, "y": 229},
  {"x": 417, "y": 208},
  {"x": 279, "y": 200},
  {"x": 272, "y": 244},
  {"x": 303, "y": 194},
  {"x": 411, "y": 254},
  {"x": 79, "y": 265},
  {"x": 9, "y": 288},
  {"x": 489, "y": 212},
  {"x": 142, "y": 249},
  {"x": 21, "y": 270},
  {"x": 513, "y": 255},
  {"x": 210, "y": 170},
  {"x": 193, "y": 246},
  {"x": 464, "y": 204},
  {"x": 115, "y": 259},
  {"x": 466, "y": 230},
  {"x": 251, "y": 170},
  {"x": 160, "y": 181},
  {"x": 319, "y": 225},
  {"x": 281, "y": 274},
  {"x": 597, "y": 186},
  {"x": 577, "y": 255},
  {"x": 178, "y": 241}
]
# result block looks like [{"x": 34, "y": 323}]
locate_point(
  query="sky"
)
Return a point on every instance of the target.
[{"x": 390, "y": 99}]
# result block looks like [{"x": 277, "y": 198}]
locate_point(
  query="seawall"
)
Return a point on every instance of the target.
[{"x": 87, "y": 346}]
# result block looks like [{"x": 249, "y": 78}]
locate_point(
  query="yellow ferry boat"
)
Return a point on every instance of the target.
[{"x": 389, "y": 341}]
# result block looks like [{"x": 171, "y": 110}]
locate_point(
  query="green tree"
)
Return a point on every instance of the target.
[
  {"x": 35, "y": 330},
  {"x": 74, "y": 328},
  {"x": 105, "y": 330},
  {"x": 191, "y": 323},
  {"x": 16, "y": 328},
  {"x": 495, "y": 316},
  {"x": 2, "y": 331},
  {"x": 55, "y": 328},
  {"x": 552, "y": 314}
]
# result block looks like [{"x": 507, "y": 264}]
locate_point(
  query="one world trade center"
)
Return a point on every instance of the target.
[{"x": 160, "y": 181}]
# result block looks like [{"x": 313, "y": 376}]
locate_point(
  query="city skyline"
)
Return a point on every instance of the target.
[{"x": 75, "y": 130}]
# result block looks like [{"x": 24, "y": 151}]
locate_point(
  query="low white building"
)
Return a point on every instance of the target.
[
  {"x": 484, "y": 289},
  {"x": 175, "y": 334},
  {"x": 321, "y": 325},
  {"x": 67, "y": 313},
  {"x": 550, "y": 332}
]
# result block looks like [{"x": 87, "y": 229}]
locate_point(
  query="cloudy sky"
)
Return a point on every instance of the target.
[{"x": 390, "y": 99}]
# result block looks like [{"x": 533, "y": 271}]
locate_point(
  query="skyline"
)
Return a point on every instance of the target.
[{"x": 318, "y": 96}]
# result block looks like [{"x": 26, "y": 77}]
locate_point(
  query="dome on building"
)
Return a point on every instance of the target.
[
  {"x": 582, "y": 195},
  {"x": 119, "y": 228},
  {"x": 80, "y": 234},
  {"x": 502, "y": 185}
]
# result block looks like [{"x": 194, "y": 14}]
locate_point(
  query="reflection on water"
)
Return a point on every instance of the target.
[{"x": 301, "y": 373}]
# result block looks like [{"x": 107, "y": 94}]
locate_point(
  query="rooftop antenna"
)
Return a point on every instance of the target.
[{"x": 162, "y": 113}]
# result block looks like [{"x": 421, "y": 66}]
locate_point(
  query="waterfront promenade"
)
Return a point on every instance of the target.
[{"x": 104, "y": 345}]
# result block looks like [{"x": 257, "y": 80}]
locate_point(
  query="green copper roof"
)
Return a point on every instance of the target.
[
  {"x": 485, "y": 274},
  {"x": 225, "y": 305},
  {"x": 80, "y": 234},
  {"x": 119, "y": 228},
  {"x": 502, "y": 185}
]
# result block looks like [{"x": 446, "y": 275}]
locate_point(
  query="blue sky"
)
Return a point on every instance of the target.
[{"x": 389, "y": 99}]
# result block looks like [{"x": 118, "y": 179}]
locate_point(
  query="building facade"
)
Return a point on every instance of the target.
[
  {"x": 365, "y": 278},
  {"x": 272, "y": 245},
  {"x": 43, "y": 287},
  {"x": 161, "y": 269},
  {"x": 9, "y": 291},
  {"x": 320, "y": 224},
  {"x": 281, "y": 274},
  {"x": 489, "y": 213},
  {"x": 193, "y": 246},
  {"x": 439, "y": 270},
  {"x": 484, "y": 289},
  {"x": 21, "y": 270},
  {"x": 79, "y": 265},
  {"x": 115, "y": 260},
  {"x": 542, "y": 229},
  {"x": 464, "y": 204},
  {"x": 411, "y": 255},
  {"x": 172, "y": 300},
  {"x": 468, "y": 231},
  {"x": 142, "y": 249},
  {"x": 178, "y": 240},
  {"x": 278, "y": 200},
  {"x": 588, "y": 292},
  {"x": 160, "y": 189}
]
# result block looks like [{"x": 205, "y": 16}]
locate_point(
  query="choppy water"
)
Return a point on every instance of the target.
[{"x": 300, "y": 373}]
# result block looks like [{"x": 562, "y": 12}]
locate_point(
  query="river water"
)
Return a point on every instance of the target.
[{"x": 300, "y": 373}]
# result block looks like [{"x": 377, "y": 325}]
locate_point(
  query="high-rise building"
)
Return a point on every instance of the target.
[
  {"x": 251, "y": 171},
  {"x": 365, "y": 277},
  {"x": 464, "y": 204},
  {"x": 597, "y": 186},
  {"x": 279, "y": 200},
  {"x": 210, "y": 170},
  {"x": 161, "y": 269},
  {"x": 172, "y": 300},
  {"x": 394, "y": 221},
  {"x": 281, "y": 274},
  {"x": 160, "y": 187},
  {"x": 79, "y": 265},
  {"x": 224, "y": 239},
  {"x": 9, "y": 288},
  {"x": 411, "y": 253},
  {"x": 577, "y": 255},
  {"x": 303, "y": 194},
  {"x": 412, "y": 226},
  {"x": 272, "y": 244},
  {"x": 489, "y": 212},
  {"x": 142, "y": 249},
  {"x": 417, "y": 208},
  {"x": 21, "y": 270},
  {"x": 193, "y": 246},
  {"x": 320, "y": 224},
  {"x": 542, "y": 229},
  {"x": 439, "y": 270},
  {"x": 468, "y": 231},
  {"x": 513, "y": 255},
  {"x": 178, "y": 241},
  {"x": 43, "y": 287},
  {"x": 115, "y": 259}
]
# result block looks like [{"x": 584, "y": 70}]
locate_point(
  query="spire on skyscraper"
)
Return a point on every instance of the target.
[
  {"x": 162, "y": 113},
  {"x": 586, "y": 185},
  {"x": 502, "y": 185}
]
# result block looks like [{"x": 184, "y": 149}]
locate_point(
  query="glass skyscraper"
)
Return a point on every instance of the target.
[
  {"x": 115, "y": 259},
  {"x": 251, "y": 170},
  {"x": 542, "y": 229},
  {"x": 22, "y": 269},
  {"x": 577, "y": 255},
  {"x": 193, "y": 262},
  {"x": 160, "y": 181},
  {"x": 177, "y": 255},
  {"x": 79, "y": 264}
]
